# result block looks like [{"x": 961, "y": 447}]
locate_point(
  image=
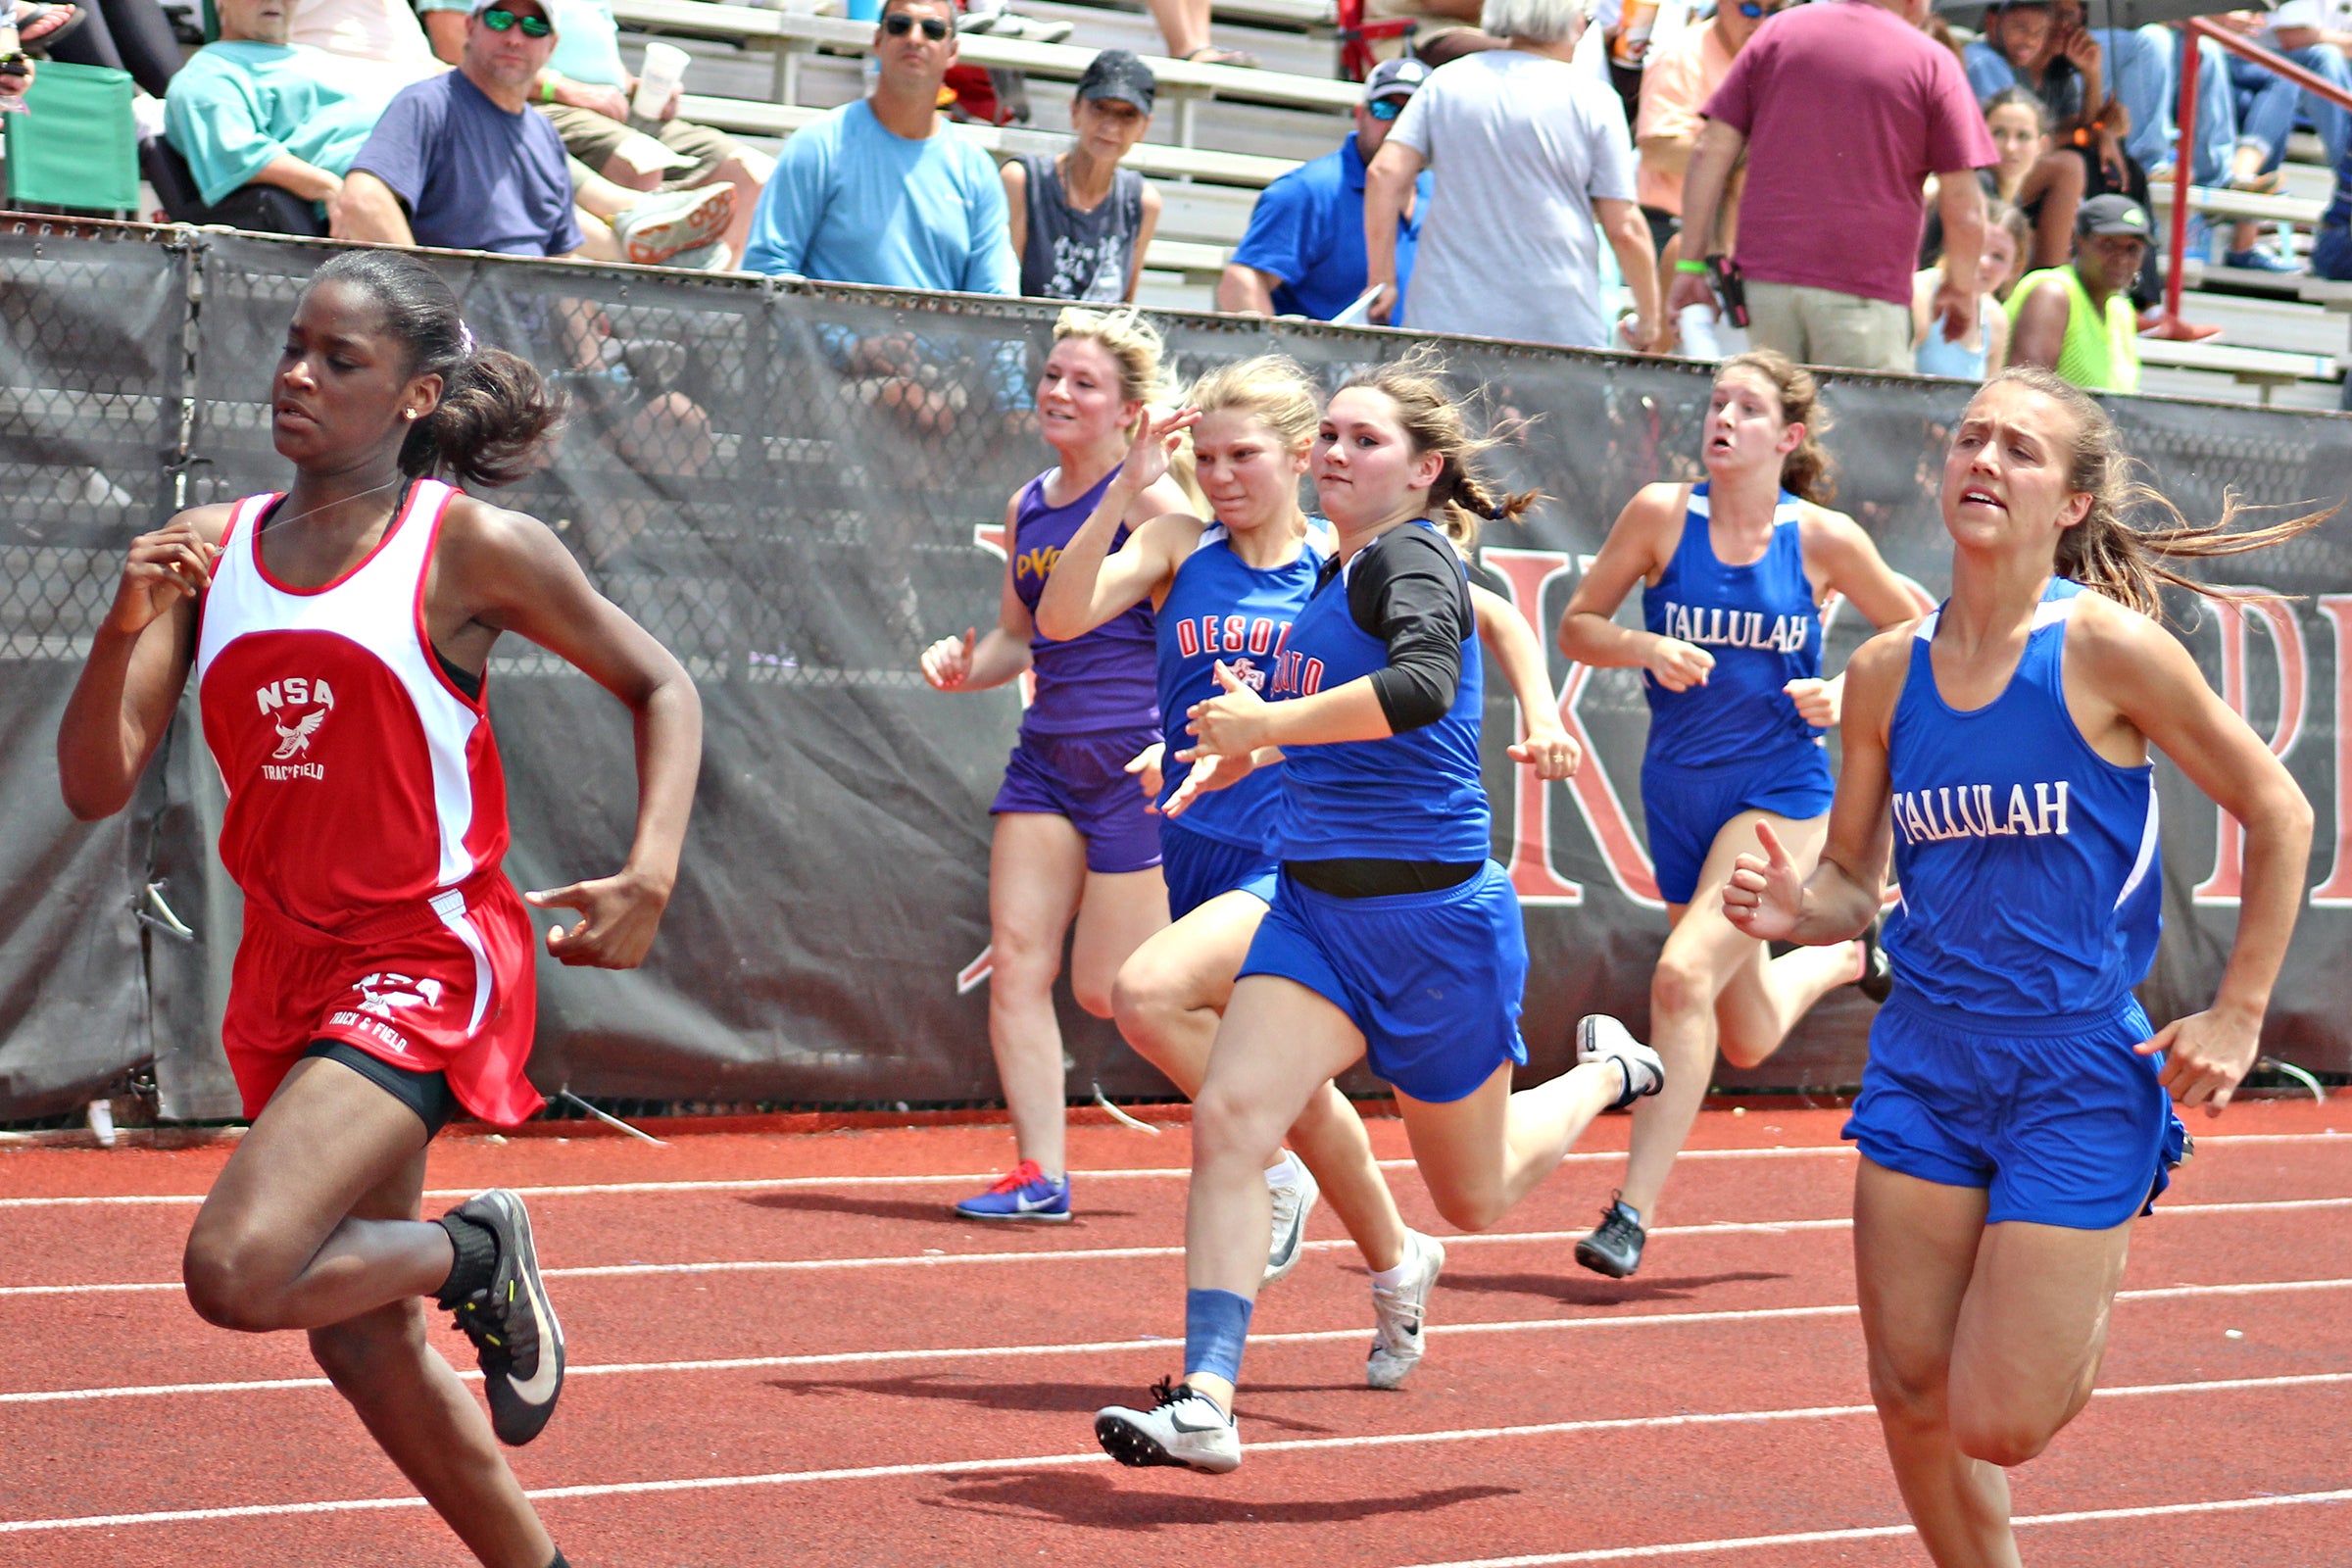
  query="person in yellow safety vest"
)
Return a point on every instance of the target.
[{"x": 2077, "y": 319}]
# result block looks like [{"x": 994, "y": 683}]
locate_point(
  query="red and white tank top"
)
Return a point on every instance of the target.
[{"x": 358, "y": 775}]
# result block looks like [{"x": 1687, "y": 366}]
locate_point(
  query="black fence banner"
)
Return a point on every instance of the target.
[{"x": 796, "y": 487}]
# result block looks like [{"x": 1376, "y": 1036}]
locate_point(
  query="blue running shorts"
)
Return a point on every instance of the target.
[
  {"x": 1434, "y": 980},
  {"x": 1685, "y": 808},
  {"x": 1199, "y": 867},
  {"x": 1084, "y": 778},
  {"x": 2058, "y": 1118}
]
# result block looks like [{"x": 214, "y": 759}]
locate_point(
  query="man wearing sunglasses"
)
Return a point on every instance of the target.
[
  {"x": 877, "y": 191},
  {"x": 1303, "y": 254},
  {"x": 460, "y": 161},
  {"x": 1677, "y": 78},
  {"x": 587, "y": 90}
]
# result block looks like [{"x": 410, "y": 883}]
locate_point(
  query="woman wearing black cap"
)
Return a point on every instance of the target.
[
  {"x": 2078, "y": 319},
  {"x": 1080, "y": 222}
]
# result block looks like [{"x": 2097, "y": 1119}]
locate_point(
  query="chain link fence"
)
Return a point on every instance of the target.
[{"x": 793, "y": 487}]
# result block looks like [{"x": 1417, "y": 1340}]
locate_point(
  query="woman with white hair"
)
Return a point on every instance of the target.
[{"x": 1533, "y": 163}]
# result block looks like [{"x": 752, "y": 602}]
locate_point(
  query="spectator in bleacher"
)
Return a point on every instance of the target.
[
  {"x": 1184, "y": 27},
  {"x": 878, "y": 191},
  {"x": 2137, "y": 65},
  {"x": 458, "y": 160},
  {"x": 586, "y": 89},
  {"x": 1831, "y": 218},
  {"x": 1983, "y": 355},
  {"x": 2077, "y": 321},
  {"x": 1534, "y": 162},
  {"x": 385, "y": 30},
  {"x": 253, "y": 109},
  {"x": 1677, "y": 78},
  {"x": 1078, "y": 222},
  {"x": 1303, "y": 252},
  {"x": 2268, "y": 105},
  {"x": 2047, "y": 185}
]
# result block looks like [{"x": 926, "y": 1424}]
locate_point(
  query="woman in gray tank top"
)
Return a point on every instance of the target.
[{"x": 1081, "y": 224}]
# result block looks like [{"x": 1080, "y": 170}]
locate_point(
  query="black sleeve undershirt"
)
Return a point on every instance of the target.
[{"x": 1408, "y": 590}]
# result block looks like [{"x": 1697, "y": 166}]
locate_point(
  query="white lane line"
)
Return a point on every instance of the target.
[
  {"x": 1157, "y": 1173},
  {"x": 1549, "y": 1429},
  {"x": 805, "y": 1265},
  {"x": 761, "y": 1183},
  {"x": 1810, "y": 1537},
  {"x": 1152, "y": 1345}
]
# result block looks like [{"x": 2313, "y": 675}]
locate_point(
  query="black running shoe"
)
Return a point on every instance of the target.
[
  {"x": 1615, "y": 1247},
  {"x": 1878, "y": 973},
  {"x": 514, "y": 1330}
]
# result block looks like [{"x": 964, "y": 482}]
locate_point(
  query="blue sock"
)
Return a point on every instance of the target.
[{"x": 1215, "y": 1325}]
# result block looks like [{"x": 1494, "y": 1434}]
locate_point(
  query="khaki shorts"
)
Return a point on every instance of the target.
[
  {"x": 1821, "y": 326},
  {"x": 695, "y": 152}
]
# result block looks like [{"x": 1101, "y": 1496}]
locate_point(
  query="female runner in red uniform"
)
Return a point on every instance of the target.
[{"x": 339, "y": 634}]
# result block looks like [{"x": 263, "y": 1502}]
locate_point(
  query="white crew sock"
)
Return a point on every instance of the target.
[{"x": 1283, "y": 1171}]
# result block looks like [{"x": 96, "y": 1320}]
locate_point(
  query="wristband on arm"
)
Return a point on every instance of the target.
[{"x": 1687, "y": 265}]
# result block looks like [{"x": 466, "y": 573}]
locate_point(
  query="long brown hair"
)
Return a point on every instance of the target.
[
  {"x": 1808, "y": 473},
  {"x": 2110, "y": 553},
  {"x": 1433, "y": 422}
]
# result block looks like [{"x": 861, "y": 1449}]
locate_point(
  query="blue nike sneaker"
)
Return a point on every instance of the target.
[{"x": 1022, "y": 1192}]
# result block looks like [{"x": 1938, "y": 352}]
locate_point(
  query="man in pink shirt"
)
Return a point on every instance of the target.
[
  {"x": 1845, "y": 108},
  {"x": 1676, "y": 80}
]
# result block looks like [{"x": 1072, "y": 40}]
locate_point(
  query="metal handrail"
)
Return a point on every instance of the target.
[{"x": 2184, "y": 153}]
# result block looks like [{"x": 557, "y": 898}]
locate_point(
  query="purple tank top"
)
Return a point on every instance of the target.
[{"x": 1104, "y": 680}]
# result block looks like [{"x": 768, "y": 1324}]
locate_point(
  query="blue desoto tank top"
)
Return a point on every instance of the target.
[
  {"x": 2031, "y": 883},
  {"x": 1222, "y": 607},
  {"x": 1759, "y": 621},
  {"x": 1417, "y": 795},
  {"x": 1102, "y": 680}
]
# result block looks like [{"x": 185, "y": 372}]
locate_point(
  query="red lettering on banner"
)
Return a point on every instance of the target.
[
  {"x": 1526, "y": 574},
  {"x": 990, "y": 536},
  {"x": 2286, "y": 637},
  {"x": 2337, "y": 889}
]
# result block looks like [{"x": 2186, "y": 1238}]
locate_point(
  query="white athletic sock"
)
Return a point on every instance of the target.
[
  {"x": 1388, "y": 1279},
  {"x": 1283, "y": 1171}
]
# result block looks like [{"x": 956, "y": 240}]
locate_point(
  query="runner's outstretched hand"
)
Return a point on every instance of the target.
[{"x": 622, "y": 914}]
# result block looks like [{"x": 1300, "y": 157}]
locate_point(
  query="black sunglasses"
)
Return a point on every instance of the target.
[
  {"x": 1385, "y": 109},
  {"x": 899, "y": 25},
  {"x": 498, "y": 20}
]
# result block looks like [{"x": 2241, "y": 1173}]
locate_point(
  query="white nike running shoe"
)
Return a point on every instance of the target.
[
  {"x": 1601, "y": 1038},
  {"x": 1182, "y": 1428},
  {"x": 1397, "y": 1314},
  {"x": 1293, "y": 1200}
]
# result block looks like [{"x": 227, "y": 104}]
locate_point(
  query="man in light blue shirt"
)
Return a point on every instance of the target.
[{"x": 878, "y": 191}]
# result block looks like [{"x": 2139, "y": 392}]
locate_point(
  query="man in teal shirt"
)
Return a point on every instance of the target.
[
  {"x": 879, "y": 191},
  {"x": 253, "y": 109}
]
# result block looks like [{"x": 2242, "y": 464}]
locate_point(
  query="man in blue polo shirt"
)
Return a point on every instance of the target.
[{"x": 1304, "y": 252}]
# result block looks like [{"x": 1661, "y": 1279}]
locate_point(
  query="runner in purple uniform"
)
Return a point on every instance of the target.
[{"x": 1074, "y": 845}]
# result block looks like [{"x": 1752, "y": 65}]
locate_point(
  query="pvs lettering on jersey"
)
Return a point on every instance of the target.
[
  {"x": 1971, "y": 811},
  {"x": 1713, "y": 626},
  {"x": 1038, "y": 562}
]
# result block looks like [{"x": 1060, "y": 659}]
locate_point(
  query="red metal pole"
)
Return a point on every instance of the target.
[{"x": 2184, "y": 162}]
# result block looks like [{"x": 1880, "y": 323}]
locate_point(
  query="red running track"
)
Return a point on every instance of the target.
[{"x": 785, "y": 1351}]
